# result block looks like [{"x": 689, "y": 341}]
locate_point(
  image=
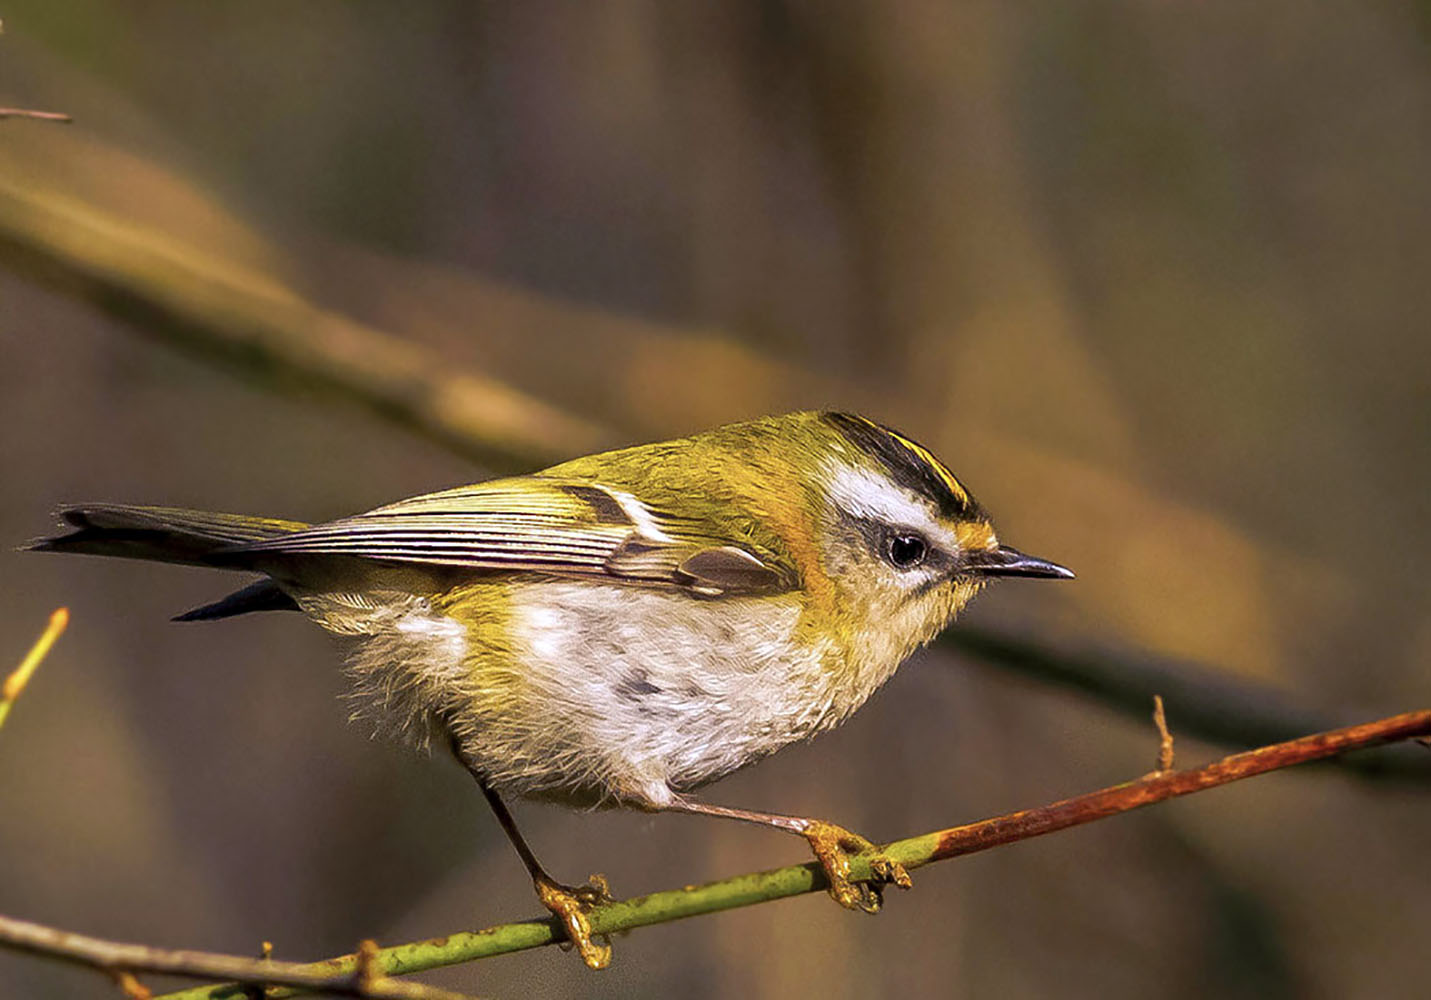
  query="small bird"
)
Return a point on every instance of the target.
[{"x": 623, "y": 628}]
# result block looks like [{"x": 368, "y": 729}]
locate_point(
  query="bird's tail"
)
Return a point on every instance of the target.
[
  {"x": 174, "y": 535},
  {"x": 160, "y": 534}
]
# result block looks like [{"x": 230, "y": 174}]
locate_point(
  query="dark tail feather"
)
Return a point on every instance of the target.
[
  {"x": 264, "y": 595},
  {"x": 161, "y": 534},
  {"x": 171, "y": 534}
]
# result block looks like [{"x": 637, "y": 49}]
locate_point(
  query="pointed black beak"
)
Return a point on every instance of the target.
[{"x": 1004, "y": 561}]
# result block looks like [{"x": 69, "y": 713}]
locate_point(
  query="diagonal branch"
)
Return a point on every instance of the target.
[{"x": 914, "y": 852}]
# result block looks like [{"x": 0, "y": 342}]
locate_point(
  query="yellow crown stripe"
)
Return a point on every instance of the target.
[{"x": 943, "y": 473}]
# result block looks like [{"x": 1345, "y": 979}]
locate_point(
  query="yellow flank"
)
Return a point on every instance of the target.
[{"x": 493, "y": 665}]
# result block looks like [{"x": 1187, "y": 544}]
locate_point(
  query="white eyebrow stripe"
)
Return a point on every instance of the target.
[{"x": 864, "y": 494}]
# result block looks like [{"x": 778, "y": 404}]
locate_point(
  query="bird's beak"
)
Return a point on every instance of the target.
[{"x": 1004, "y": 561}]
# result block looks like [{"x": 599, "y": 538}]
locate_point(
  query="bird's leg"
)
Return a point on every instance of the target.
[
  {"x": 567, "y": 903},
  {"x": 832, "y": 845}
]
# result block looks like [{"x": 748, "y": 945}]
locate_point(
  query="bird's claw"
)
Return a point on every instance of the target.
[
  {"x": 570, "y": 904},
  {"x": 833, "y": 846}
]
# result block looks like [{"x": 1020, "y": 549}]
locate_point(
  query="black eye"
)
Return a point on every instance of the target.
[{"x": 905, "y": 551}]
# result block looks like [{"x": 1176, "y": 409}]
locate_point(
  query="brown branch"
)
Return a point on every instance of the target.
[
  {"x": 123, "y": 961},
  {"x": 1173, "y": 784},
  {"x": 915, "y": 852}
]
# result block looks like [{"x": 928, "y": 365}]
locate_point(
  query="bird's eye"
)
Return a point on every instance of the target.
[{"x": 905, "y": 551}]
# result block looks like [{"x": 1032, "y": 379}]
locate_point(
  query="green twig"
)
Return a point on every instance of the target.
[
  {"x": 915, "y": 852},
  {"x": 362, "y": 979}
]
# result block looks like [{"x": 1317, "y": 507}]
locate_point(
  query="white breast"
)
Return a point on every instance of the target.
[
  {"x": 642, "y": 691},
  {"x": 607, "y": 691}
]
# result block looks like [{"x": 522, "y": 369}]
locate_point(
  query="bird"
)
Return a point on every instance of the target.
[{"x": 624, "y": 628}]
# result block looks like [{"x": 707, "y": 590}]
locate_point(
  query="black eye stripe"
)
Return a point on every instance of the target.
[{"x": 882, "y": 538}]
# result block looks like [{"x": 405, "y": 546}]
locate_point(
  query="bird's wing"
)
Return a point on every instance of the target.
[{"x": 536, "y": 524}]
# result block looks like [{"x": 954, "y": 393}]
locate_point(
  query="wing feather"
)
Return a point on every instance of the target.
[{"x": 534, "y": 523}]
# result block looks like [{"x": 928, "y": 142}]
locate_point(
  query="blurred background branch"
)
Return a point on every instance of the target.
[
  {"x": 1212, "y": 705},
  {"x": 243, "y": 321}
]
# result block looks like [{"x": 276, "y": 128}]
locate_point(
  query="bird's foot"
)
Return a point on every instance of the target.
[
  {"x": 833, "y": 846},
  {"x": 570, "y": 904}
]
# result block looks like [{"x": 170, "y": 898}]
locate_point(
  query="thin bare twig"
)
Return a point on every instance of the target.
[
  {"x": 43, "y": 116},
  {"x": 121, "y": 959},
  {"x": 369, "y": 971},
  {"x": 20, "y": 676},
  {"x": 1165, "y": 737},
  {"x": 915, "y": 852},
  {"x": 131, "y": 987}
]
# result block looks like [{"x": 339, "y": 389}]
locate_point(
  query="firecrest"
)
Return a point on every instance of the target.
[{"x": 627, "y": 627}]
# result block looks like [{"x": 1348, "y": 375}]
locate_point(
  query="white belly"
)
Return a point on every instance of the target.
[
  {"x": 645, "y": 691},
  {"x": 605, "y": 691}
]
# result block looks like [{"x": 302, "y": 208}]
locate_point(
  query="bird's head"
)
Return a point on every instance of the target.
[{"x": 904, "y": 544}]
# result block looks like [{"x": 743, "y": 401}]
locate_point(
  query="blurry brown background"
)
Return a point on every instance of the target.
[{"x": 1153, "y": 278}]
